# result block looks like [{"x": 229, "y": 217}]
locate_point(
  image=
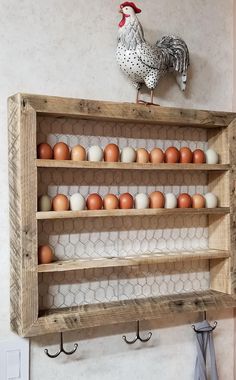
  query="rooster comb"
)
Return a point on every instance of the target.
[{"x": 132, "y": 5}]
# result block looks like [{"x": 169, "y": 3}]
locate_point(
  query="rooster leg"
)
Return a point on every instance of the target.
[
  {"x": 152, "y": 93},
  {"x": 147, "y": 103}
]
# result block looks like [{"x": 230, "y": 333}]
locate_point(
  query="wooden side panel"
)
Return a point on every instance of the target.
[
  {"x": 222, "y": 230},
  {"x": 219, "y": 227},
  {"x": 23, "y": 225},
  {"x": 232, "y": 190},
  {"x": 218, "y": 139},
  {"x": 127, "y": 112}
]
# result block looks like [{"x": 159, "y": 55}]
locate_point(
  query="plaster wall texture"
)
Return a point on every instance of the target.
[{"x": 66, "y": 48}]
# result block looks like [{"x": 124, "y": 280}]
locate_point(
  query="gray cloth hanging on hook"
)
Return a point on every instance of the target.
[{"x": 205, "y": 344}]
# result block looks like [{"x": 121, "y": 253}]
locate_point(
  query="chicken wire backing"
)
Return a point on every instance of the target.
[{"x": 116, "y": 237}]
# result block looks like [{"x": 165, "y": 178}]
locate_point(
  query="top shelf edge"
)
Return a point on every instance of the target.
[{"x": 123, "y": 112}]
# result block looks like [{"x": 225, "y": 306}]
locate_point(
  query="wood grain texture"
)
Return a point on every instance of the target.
[
  {"x": 23, "y": 225},
  {"x": 104, "y": 314},
  {"x": 131, "y": 212},
  {"x": 126, "y": 112},
  {"x": 149, "y": 258},
  {"x": 128, "y": 166},
  {"x": 219, "y": 228},
  {"x": 232, "y": 192}
]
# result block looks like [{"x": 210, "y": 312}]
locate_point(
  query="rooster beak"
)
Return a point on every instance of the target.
[{"x": 120, "y": 11}]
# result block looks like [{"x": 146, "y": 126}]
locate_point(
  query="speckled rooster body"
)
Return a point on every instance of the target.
[{"x": 144, "y": 63}]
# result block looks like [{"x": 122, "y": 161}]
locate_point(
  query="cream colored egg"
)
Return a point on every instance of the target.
[
  {"x": 95, "y": 153},
  {"x": 77, "y": 202},
  {"x": 170, "y": 200},
  {"x": 141, "y": 201},
  {"x": 211, "y": 157},
  {"x": 128, "y": 154},
  {"x": 44, "y": 203},
  {"x": 211, "y": 200}
]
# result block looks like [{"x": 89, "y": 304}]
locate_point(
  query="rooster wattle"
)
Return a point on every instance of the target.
[{"x": 144, "y": 63}]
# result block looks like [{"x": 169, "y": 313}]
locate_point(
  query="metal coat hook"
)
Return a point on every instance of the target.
[
  {"x": 138, "y": 337},
  {"x": 53, "y": 356},
  {"x": 205, "y": 318}
]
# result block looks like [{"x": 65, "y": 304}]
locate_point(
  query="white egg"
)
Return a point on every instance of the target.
[
  {"x": 128, "y": 154},
  {"x": 211, "y": 157},
  {"x": 141, "y": 201},
  {"x": 211, "y": 200},
  {"x": 95, "y": 153},
  {"x": 77, "y": 202},
  {"x": 170, "y": 200}
]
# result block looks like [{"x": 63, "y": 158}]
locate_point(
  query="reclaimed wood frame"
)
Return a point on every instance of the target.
[{"x": 23, "y": 110}]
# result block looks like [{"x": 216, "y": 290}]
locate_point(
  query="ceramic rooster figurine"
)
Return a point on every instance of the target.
[{"x": 144, "y": 63}]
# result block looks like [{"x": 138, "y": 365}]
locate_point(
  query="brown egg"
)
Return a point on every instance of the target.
[
  {"x": 45, "y": 254},
  {"x": 172, "y": 155},
  {"x": 111, "y": 153},
  {"x": 61, "y": 151},
  {"x": 110, "y": 202},
  {"x": 184, "y": 201},
  {"x": 186, "y": 155},
  {"x": 44, "y": 151},
  {"x": 199, "y": 157},
  {"x": 157, "y": 200},
  {"x": 198, "y": 201},
  {"x": 60, "y": 203},
  {"x": 142, "y": 156},
  {"x": 126, "y": 201},
  {"x": 94, "y": 202},
  {"x": 78, "y": 153},
  {"x": 156, "y": 156}
]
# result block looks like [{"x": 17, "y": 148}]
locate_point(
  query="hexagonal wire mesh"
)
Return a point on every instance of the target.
[{"x": 112, "y": 237}]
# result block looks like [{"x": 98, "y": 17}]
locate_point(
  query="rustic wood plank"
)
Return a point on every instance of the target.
[
  {"x": 127, "y": 166},
  {"x": 218, "y": 139},
  {"x": 219, "y": 228},
  {"x": 23, "y": 224},
  {"x": 131, "y": 212},
  {"x": 149, "y": 258},
  {"x": 126, "y": 112},
  {"x": 104, "y": 314},
  {"x": 232, "y": 192}
]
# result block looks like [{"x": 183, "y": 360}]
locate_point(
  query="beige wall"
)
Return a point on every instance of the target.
[{"x": 67, "y": 48}]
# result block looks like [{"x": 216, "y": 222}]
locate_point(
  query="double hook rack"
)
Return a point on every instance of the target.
[
  {"x": 137, "y": 337},
  {"x": 205, "y": 318},
  {"x": 53, "y": 356},
  {"x": 62, "y": 349}
]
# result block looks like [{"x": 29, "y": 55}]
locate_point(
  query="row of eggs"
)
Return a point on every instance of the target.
[
  {"x": 128, "y": 154},
  {"x": 126, "y": 201}
]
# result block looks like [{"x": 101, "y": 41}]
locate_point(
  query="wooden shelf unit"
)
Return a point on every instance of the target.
[{"x": 26, "y": 319}]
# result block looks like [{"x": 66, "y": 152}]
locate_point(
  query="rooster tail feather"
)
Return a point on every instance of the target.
[{"x": 175, "y": 50}]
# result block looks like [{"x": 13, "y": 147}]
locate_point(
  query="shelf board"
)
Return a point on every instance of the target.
[
  {"x": 124, "y": 112},
  {"x": 149, "y": 258},
  {"x": 104, "y": 314},
  {"x": 128, "y": 166},
  {"x": 40, "y": 215}
]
